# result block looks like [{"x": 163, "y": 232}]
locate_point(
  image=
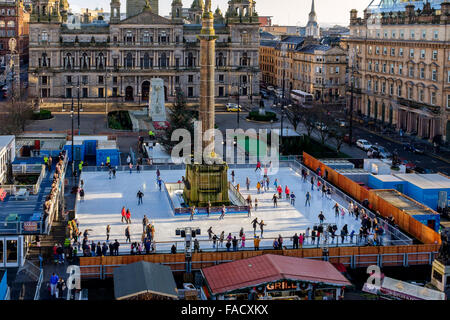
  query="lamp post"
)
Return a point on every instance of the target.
[
  {"x": 78, "y": 103},
  {"x": 73, "y": 155}
]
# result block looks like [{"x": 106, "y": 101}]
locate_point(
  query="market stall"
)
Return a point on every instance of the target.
[{"x": 270, "y": 276}]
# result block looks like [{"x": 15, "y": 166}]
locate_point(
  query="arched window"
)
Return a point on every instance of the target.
[
  {"x": 100, "y": 61},
  {"x": 190, "y": 60},
  {"x": 129, "y": 60},
  {"x": 44, "y": 36},
  {"x": 11, "y": 24},
  {"x": 129, "y": 37},
  {"x": 145, "y": 62},
  {"x": 2, "y": 24},
  {"x": 163, "y": 60},
  {"x": 68, "y": 62}
]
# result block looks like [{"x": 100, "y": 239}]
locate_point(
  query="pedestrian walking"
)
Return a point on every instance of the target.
[{"x": 53, "y": 282}]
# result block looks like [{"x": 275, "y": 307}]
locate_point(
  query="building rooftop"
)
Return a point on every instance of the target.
[
  {"x": 378, "y": 6},
  {"x": 404, "y": 203},
  {"x": 268, "y": 43},
  {"x": 267, "y": 268},
  {"x": 314, "y": 47},
  {"x": 5, "y": 141},
  {"x": 426, "y": 181},
  {"x": 387, "y": 178}
]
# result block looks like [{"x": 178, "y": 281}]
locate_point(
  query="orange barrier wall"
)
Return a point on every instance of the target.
[
  {"x": 403, "y": 220},
  {"x": 364, "y": 256}
]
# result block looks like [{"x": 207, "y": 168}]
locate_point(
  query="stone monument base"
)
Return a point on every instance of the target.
[
  {"x": 440, "y": 275},
  {"x": 205, "y": 183}
]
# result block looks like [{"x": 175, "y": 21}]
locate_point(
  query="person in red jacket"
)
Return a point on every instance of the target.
[
  {"x": 280, "y": 191},
  {"x": 287, "y": 191},
  {"x": 128, "y": 216},
  {"x": 124, "y": 214}
]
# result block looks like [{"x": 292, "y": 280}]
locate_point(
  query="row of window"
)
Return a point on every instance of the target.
[
  {"x": 399, "y": 34},
  {"x": 9, "y": 24},
  {"x": 434, "y": 54},
  {"x": 8, "y": 12},
  {"x": 391, "y": 70},
  {"x": 7, "y": 33},
  {"x": 409, "y": 92}
]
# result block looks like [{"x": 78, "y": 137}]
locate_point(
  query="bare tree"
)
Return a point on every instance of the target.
[{"x": 308, "y": 117}]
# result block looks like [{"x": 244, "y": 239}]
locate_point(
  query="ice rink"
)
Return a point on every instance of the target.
[{"x": 104, "y": 199}]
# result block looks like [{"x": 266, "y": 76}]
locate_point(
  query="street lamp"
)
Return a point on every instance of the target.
[{"x": 73, "y": 155}]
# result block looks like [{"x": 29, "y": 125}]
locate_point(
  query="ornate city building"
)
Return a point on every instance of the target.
[
  {"x": 312, "y": 28},
  {"x": 14, "y": 20},
  {"x": 113, "y": 62},
  {"x": 399, "y": 54}
]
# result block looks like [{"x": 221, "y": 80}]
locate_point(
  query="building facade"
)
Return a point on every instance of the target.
[
  {"x": 14, "y": 20},
  {"x": 113, "y": 63},
  {"x": 320, "y": 70},
  {"x": 400, "y": 54}
]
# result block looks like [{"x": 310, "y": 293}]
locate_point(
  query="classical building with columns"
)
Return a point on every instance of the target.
[
  {"x": 113, "y": 62},
  {"x": 400, "y": 54}
]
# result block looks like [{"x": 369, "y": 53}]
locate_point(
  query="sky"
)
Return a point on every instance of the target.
[{"x": 284, "y": 12}]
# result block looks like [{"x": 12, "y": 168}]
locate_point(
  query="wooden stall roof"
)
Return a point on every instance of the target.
[
  {"x": 266, "y": 268},
  {"x": 403, "y": 202}
]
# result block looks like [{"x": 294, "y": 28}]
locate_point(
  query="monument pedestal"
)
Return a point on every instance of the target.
[
  {"x": 206, "y": 183},
  {"x": 440, "y": 275}
]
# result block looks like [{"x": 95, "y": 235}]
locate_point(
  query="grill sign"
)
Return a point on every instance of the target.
[{"x": 30, "y": 226}]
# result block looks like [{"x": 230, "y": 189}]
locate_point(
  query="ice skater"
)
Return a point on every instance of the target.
[
  {"x": 261, "y": 227},
  {"x": 256, "y": 204},
  {"x": 210, "y": 233},
  {"x": 308, "y": 199},
  {"x": 139, "y": 196},
  {"x": 292, "y": 199},
  {"x": 108, "y": 230},
  {"x": 224, "y": 210},
  {"x": 232, "y": 176},
  {"x": 127, "y": 234},
  {"x": 258, "y": 166},
  {"x": 336, "y": 210},
  {"x": 159, "y": 183},
  {"x": 321, "y": 217},
  {"x": 124, "y": 214},
  {"x": 275, "y": 200},
  {"x": 192, "y": 213},
  {"x": 254, "y": 223},
  {"x": 247, "y": 182},
  {"x": 128, "y": 216},
  {"x": 144, "y": 223},
  {"x": 131, "y": 167}
]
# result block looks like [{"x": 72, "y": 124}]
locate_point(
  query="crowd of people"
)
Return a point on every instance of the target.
[{"x": 59, "y": 169}]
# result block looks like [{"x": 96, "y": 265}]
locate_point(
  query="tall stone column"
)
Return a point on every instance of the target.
[{"x": 207, "y": 72}]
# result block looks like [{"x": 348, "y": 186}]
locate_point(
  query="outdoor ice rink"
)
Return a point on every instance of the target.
[{"x": 104, "y": 199}]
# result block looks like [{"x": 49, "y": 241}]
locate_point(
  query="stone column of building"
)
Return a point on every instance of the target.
[{"x": 207, "y": 72}]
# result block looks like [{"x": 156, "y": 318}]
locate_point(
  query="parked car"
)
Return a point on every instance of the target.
[
  {"x": 363, "y": 144},
  {"x": 380, "y": 152},
  {"x": 233, "y": 107},
  {"x": 342, "y": 123},
  {"x": 413, "y": 148},
  {"x": 321, "y": 126},
  {"x": 270, "y": 88}
]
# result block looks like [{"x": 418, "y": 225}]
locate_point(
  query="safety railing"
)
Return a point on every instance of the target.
[
  {"x": 399, "y": 237},
  {"x": 351, "y": 261},
  {"x": 39, "y": 284}
]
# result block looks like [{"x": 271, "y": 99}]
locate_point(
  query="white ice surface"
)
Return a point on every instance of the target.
[{"x": 104, "y": 199}]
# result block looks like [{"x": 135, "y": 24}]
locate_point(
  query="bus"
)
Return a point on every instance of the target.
[{"x": 301, "y": 97}]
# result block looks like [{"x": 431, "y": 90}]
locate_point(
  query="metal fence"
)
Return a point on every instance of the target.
[{"x": 397, "y": 235}]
